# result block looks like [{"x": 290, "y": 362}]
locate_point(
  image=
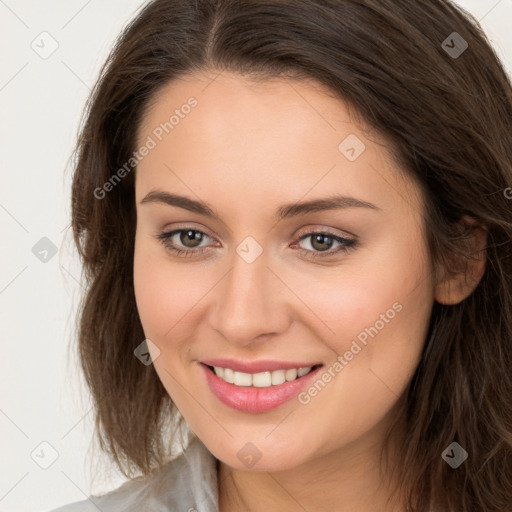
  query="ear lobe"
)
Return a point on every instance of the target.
[{"x": 455, "y": 286}]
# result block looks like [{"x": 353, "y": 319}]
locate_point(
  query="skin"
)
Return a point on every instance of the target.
[{"x": 247, "y": 149}]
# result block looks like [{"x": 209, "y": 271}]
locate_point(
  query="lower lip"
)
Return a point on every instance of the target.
[{"x": 253, "y": 399}]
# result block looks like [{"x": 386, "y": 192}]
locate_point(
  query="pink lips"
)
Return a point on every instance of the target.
[{"x": 253, "y": 399}]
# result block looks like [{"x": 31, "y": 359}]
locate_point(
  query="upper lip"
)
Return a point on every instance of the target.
[{"x": 257, "y": 366}]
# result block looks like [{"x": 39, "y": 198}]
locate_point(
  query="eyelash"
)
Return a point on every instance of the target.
[{"x": 346, "y": 244}]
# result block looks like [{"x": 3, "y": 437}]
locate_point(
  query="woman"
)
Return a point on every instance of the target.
[{"x": 295, "y": 220}]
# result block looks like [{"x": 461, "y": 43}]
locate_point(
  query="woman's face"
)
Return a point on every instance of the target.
[{"x": 266, "y": 279}]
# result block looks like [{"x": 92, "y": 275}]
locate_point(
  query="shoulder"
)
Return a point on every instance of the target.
[
  {"x": 186, "y": 482},
  {"x": 78, "y": 506}
]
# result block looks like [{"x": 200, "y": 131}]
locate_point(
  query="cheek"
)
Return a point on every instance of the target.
[
  {"x": 165, "y": 297},
  {"x": 165, "y": 293},
  {"x": 151, "y": 291},
  {"x": 373, "y": 312},
  {"x": 377, "y": 317}
]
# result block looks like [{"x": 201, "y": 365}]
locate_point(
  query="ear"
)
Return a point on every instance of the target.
[{"x": 456, "y": 285}]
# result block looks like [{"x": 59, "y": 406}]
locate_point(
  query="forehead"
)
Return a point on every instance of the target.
[
  {"x": 265, "y": 139},
  {"x": 228, "y": 102}
]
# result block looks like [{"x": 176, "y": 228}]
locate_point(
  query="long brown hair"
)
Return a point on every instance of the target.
[{"x": 446, "y": 110}]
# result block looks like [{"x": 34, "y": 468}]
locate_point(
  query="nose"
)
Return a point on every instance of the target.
[{"x": 250, "y": 303}]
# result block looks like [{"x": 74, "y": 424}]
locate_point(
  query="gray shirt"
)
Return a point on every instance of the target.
[{"x": 188, "y": 483}]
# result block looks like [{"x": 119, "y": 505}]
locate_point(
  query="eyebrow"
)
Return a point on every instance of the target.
[{"x": 286, "y": 211}]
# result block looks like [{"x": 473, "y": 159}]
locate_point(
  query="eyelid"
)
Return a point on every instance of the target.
[
  {"x": 317, "y": 228},
  {"x": 345, "y": 244},
  {"x": 298, "y": 235},
  {"x": 187, "y": 226}
]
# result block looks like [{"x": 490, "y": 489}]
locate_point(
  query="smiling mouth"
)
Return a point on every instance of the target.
[{"x": 262, "y": 379}]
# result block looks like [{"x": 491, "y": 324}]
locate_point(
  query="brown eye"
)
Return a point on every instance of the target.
[
  {"x": 322, "y": 242},
  {"x": 190, "y": 238},
  {"x": 184, "y": 242}
]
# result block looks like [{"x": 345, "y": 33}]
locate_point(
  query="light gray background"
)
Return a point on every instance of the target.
[{"x": 43, "y": 397}]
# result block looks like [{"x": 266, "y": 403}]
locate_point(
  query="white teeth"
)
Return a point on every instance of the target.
[
  {"x": 242, "y": 379},
  {"x": 262, "y": 379},
  {"x": 278, "y": 377},
  {"x": 229, "y": 375},
  {"x": 291, "y": 374}
]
